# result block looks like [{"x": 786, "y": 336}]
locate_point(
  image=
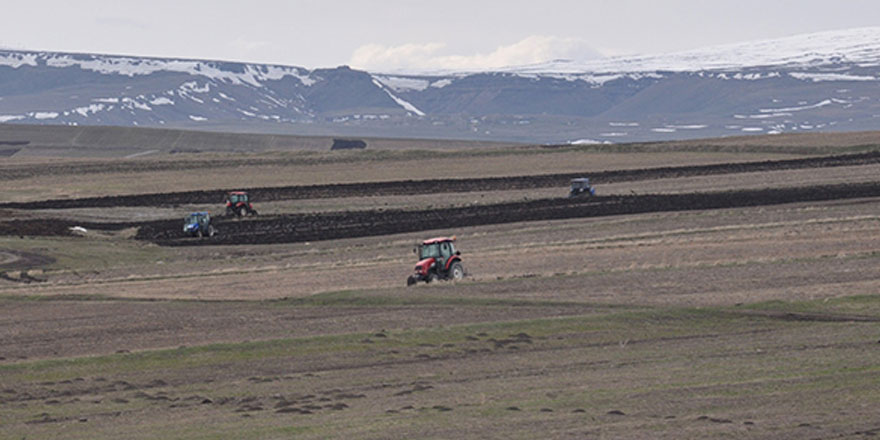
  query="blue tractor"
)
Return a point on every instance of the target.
[
  {"x": 198, "y": 224},
  {"x": 581, "y": 187}
]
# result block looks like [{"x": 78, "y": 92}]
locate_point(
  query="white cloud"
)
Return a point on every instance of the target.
[
  {"x": 417, "y": 57},
  {"x": 407, "y": 55}
]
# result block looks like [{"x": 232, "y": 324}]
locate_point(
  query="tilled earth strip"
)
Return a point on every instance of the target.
[
  {"x": 414, "y": 187},
  {"x": 336, "y": 225},
  {"x": 291, "y": 228}
]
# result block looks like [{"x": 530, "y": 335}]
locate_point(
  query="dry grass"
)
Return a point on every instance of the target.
[
  {"x": 681, "y": 373},
  {"x": 809, "y": 140},
  {"x": 355, "y": 168}
]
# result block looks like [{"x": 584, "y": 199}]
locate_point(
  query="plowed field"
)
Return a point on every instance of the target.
[
  {"x": 712, "y": 310},
  {"x": 412, "y": 187},
  {"x": 291, "y": 228},
  {"x": 330, "y": 226}
]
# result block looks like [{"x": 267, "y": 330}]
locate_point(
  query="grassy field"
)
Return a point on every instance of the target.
[
  {"x": 756, "y": 322},
  {"x": 664, "y": 372}
]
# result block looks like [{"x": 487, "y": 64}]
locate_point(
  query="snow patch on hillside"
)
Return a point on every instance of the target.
[
  {"x": 816, "y": 77},
  {"x": 401, "y": 102},
  {"x": 250, "y": 74},
  {"x": 403, "y": 84},
  {"x": 86, "y": 110},
  {"x": 132, "y": 103},
  {"x": 688, "y": 127},
  {"x": 796, "y": 109},
  {"x": 276, "y": 73},
  {"x": 16, "y": 60},
  {"x": 597, "y": 80},
  {"x": 439, "y": 84},
  {"x": 193, "y": 87},
  {"x": 162, "y": 101},
  {"x": 588, "y": 142}
]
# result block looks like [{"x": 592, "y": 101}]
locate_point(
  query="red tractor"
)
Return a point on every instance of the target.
[
  {"x": 237, "y": 203},
  {"x": 438, "y": 260}
]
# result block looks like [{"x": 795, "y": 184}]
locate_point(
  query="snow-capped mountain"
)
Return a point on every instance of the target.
[
  {"x": 859, "y": 47},
  {"x": 826, "y": 81}
]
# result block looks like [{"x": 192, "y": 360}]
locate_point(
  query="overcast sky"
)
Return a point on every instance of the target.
[{"x": 395, "y": 34}]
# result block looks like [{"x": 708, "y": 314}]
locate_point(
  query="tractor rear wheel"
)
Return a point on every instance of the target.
[{"x": 456, "y": 272}]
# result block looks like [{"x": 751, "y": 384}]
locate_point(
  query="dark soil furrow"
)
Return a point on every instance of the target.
[
  {"x": 337, "y": 225},
  {"x": 290, "y": 228}
]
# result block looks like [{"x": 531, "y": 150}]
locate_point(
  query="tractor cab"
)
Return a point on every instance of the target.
[
  {"x": 238, "y": 203},
  {"x": 437, "y": 249},
  {"x": 438, "y": 260},
  {"x": 198, "y": 224},
  {"x": 237, "y": 197},
  {"x": 581, "y": 186}
]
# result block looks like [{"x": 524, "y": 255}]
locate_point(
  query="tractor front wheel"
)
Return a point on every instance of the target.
[
  {"x": 243, "y": 212},
  {"x": 211, "y": 231},
  {"x": 431, "y": 278},
  {"x": 456, "y": 272}
]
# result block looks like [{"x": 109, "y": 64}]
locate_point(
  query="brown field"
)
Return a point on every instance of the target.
[
  {"x": 278, "y": 169},
  {"x": 754, "y": 322}
]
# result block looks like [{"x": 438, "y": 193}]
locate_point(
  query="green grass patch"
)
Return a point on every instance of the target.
[
  {"x": 62, "y": 297},
  {"x": 630, "y": 324},
  {"x": 87, "y": 254},
  {"x": 381, "y": 298},
  {"x": 859, "y": 305},
  {"x": 182, "y": 358}
]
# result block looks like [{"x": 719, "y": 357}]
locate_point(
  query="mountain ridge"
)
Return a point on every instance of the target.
[{"x": 824, "y": 81}]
